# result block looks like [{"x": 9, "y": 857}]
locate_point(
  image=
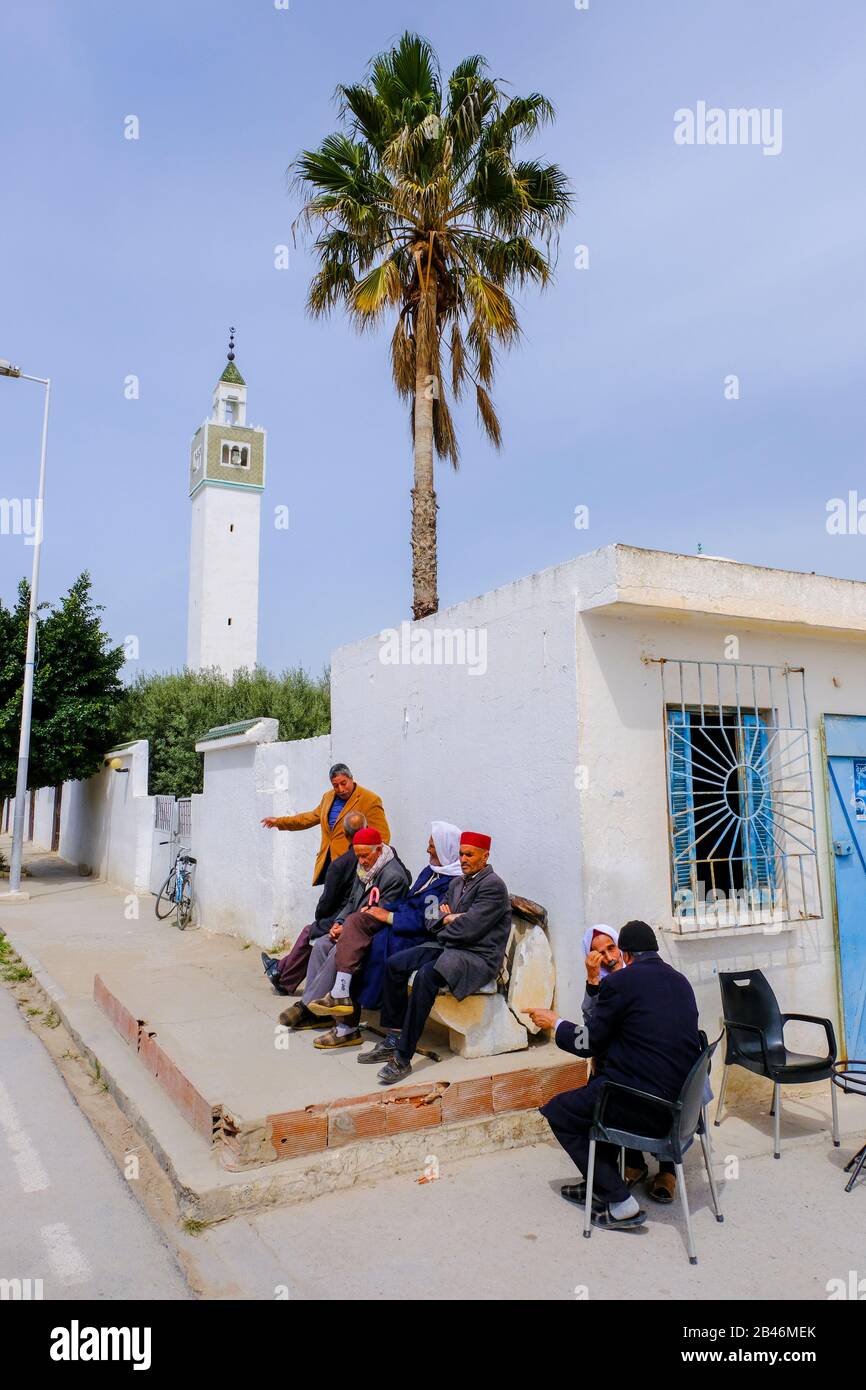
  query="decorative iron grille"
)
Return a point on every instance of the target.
[
  {"x": 741, "y": 807},
  {"x": 163, "y": 813},
  {"x": 184, "y": 819}
]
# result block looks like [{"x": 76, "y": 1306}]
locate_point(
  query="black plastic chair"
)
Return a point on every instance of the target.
[
  {"x": 687, "y": 1117},
  {"x": 755, "y": 1039}
]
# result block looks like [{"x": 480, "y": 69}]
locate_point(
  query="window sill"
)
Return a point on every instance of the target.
[{"x": 747, "y": 929}]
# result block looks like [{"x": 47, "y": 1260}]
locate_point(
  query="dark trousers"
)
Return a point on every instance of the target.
[
  {"x": 293, "y": 967},
  {"x": 570, "y": 1116},
  {"x": 406, "y": 1011},
  {"x": 606, "y": 1181}
]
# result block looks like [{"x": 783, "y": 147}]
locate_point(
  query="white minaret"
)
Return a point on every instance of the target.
[{"x": 226, "y": 481}]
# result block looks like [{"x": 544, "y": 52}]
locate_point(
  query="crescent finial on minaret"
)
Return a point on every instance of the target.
[{"x": 231, "y": 351}]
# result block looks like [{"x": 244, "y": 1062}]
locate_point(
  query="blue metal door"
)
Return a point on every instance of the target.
[{"x": 845, "y": 739}]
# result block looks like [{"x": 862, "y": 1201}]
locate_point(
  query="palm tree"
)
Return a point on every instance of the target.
[{"x": 420, "y": 205}]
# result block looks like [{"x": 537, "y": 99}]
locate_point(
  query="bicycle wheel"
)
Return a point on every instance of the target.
[
  {"x": 184, "y": 906},
  {"x": 165, "y": 903}
]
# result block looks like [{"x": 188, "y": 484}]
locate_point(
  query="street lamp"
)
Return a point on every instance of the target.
[{"x": 7, "y": 369}]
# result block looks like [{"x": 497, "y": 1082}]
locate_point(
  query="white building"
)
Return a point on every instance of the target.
[
  {"x": 226, "y": 481},
  {"x": 674, "y": 738}
]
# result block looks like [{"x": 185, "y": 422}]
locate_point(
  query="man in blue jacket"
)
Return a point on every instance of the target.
[{"x": 643, "y": 1033}]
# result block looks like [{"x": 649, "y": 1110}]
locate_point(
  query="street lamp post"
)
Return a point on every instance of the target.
[{"x": 7, "y": 369}]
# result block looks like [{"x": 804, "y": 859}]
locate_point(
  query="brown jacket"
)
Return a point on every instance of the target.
[{"x": 334, "y": 841}]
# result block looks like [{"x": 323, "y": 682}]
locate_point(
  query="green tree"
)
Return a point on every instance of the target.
[
  {"x": 173, "y": 710},
  {"x": 75, "y": 690},
  {"x": 421, "y": 205}
]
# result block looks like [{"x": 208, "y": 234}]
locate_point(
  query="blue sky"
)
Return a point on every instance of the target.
[{"x": 121, "y": 257}]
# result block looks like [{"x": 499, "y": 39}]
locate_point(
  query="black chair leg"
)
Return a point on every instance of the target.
[{"x": 859, "y": 1159}]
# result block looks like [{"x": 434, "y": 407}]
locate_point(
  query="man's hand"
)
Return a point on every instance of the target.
[
  {"x": 444, "y": 909},
  {"x": 270, "y": 821},
  {"x": 378, "y": 913},
  {"x": 450, "y": 917},
  {"x": 335, "y": 931},
  {"x": 593, "y": 968},
  {"x": 543, "y": 1018}
]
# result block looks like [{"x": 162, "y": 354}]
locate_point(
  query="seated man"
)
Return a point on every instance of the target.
[
  {"x": 286, "y": 974},
  {"x": 379, "y": 872},
  {"x": 392, "y": 926},
  {"x": 465, "y": 953},
  {"x": 644, "y": 1026}
]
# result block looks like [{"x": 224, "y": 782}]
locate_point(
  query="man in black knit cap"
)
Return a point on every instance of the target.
[{"x": 644, "y": 1031}]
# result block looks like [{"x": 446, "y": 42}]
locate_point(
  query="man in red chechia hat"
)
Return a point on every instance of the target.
[{"x": 464, "y": 952}]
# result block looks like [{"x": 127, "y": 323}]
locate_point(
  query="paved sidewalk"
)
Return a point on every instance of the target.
[
  {"x": 205, "y": 995},
  {"x": 210, "y": 1035},
  {"x": 495, "y": 1227}
]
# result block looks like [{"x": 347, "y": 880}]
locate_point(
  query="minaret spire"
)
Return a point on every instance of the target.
[{"x": 231, "y": 352}]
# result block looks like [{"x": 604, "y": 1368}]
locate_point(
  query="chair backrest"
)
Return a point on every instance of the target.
[
  {"x": 747, "y": 997},
  {"x": 691, "y": 1096}
]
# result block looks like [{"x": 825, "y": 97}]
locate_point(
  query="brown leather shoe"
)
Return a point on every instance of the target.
[
  {"x": 635, "y": 1175},
  {"x": 663, "y": 1187},
  {"x": 330, "y": 1006},
  {"x": 332, "y": 1039},
  {"x": 298, "y": 1016}
]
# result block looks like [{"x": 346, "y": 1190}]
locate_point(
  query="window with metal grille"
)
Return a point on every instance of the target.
[{"x": 741, "y": 811}]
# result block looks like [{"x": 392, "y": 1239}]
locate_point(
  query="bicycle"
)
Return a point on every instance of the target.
[{"x": 176, "y": 892}]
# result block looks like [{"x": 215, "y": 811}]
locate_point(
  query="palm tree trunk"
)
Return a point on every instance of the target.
[{"x": 425, "y": 599}]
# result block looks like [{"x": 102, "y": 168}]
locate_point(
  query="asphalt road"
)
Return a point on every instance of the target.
[{"x": 67, "y": 1216}]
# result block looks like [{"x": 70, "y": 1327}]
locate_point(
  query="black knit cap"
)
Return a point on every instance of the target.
[{"x": 637, "y": 936}]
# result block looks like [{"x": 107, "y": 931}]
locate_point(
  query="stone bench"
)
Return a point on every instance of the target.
[{"x": 495, "y": 1020}]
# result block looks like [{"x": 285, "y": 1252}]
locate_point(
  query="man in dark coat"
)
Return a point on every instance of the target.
[
  {"x": 465, "y": 952},
  {"x": 644, "y": 1032},
  {"x": 287, "y": 973}
]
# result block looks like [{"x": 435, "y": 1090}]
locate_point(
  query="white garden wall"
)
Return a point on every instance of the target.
[
  {"x": 252, "y": 882},
  {"x": 105, "y": 821}
]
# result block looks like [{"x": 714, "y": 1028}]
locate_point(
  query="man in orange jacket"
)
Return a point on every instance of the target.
[{"x": 346, "y": 795}]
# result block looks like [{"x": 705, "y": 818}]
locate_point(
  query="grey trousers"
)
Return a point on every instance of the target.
[{"x": 322, "y": 969}]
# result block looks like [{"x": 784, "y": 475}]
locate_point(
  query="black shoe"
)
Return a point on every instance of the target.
[
  {"x": 382, "y": 1052},
  {"x": 612, "y": 1223},
  {"x": 576, "y": 1192},
  {"x": 396, "y": 1069},
  {"x": 272, "y": 967}
]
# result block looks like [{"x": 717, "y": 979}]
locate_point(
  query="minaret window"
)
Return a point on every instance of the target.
[
  {"x": 230, "y": 410},
  {"x": 234, "y": 455}
]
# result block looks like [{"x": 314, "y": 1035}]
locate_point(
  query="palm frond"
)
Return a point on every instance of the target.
[
  {"x": 492, "y": 308},
  {"x": 403, "y": 360},
  {"x": 444, "y": 435},
  {"x": 488, "y": 417},
  {"x": 375, "y": 291},
  {"x": 458, "y": 360}
]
